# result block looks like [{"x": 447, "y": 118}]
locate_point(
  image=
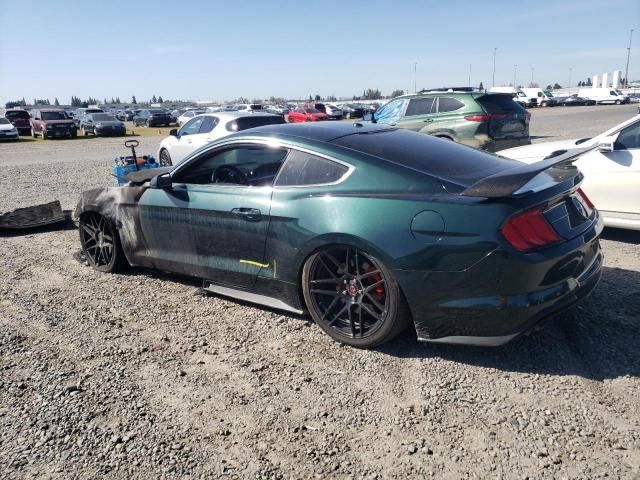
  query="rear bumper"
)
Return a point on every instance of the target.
[
  {"x": 502, "y": 296},
  {"x": 495, "y": 145}
]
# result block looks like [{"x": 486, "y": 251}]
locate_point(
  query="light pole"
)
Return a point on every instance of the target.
[
  {"x": 626, "y": 70},
  {"x": 493, "y": 76},
  {"x": 415, "y": 78},
  {"x": 515, "y": 71},
  {"x": 570, "y": 68},
  {"x": 532, "y": 69},
  {"x": 469, "y": 75}
]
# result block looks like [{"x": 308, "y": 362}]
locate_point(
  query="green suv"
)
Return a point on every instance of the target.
[{"x": 490, "y": 121}]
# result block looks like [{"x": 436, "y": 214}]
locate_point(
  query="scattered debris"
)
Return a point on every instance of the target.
[{"x": 33, "y": 217}]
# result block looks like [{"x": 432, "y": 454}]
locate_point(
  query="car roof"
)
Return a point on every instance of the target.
[
  {"x": 320, "y": 131},
  {"x": 231, "y": 115},
  {"x": 50, "y": 109}
]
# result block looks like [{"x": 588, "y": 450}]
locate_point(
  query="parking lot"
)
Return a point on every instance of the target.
[{"x": 140, "y": 375}]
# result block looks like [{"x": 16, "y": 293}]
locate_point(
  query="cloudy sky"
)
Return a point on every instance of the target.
[{"x": 214, "y": 50}]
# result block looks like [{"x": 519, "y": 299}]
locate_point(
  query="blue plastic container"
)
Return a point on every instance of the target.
[{"x": 122, "y": 166}]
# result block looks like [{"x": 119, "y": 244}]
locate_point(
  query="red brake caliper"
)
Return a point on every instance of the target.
[{"x": 379, "y": 290}]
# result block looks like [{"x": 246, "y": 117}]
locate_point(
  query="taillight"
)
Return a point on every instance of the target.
[
  {"x": 529, "y": 230},
  {"x": 484, "y": 118},
  {"x": 585, "y": 198}
]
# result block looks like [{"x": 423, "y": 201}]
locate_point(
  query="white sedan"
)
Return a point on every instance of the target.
[
  {"x": 206, "y": 128},
  {"x": 611, "y": 171},
  {"x": 188, "y": 115}
]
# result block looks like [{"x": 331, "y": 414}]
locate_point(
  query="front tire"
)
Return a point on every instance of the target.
[
  {"x": 618, "y": 102},
  {"x": 100, "y": 243},
  {"x": 353, "y": 297}
]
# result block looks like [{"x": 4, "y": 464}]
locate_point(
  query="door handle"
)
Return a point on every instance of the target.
[
  {"x": 428, "y": 120},
  {"x": 247, "y": 213}
]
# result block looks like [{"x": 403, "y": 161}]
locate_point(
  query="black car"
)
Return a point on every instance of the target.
[
  {"x": 154, "y": 117},
  {"x": 130, "y": 114},
  {"x": 351, "y": 110},
  {"x": 575, "y": 100},
  {"x": 101, "y": 124}
]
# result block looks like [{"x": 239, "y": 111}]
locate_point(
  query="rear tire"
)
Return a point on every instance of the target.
[
  {"x": 353, "y": 297},
  {"x": 165, "y": 158},
  {"x": 100, "y": 243}
]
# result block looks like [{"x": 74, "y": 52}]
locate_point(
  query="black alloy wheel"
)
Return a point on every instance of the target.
[
  {"x": 100, "y": 242},
  {"x": 353, "y": 297},
  {"x": 165, "y": 158}
]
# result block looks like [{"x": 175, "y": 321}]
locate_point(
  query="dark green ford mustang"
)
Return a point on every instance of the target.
[{"x": 369, "y": 228}]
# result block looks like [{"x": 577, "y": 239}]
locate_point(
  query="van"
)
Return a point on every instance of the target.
[
  {"x": 543, "y": 98},
  {"x": 604, "y": 95}
]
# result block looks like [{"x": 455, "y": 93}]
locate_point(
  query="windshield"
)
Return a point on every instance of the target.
[
  {"x": 548, "y": 93},
  {"x": 312, "y": 110},
  {"x": 4, "y": 121},
  {"x": 391, "y": 112},
  {"x": 53, "y": 116},
  {"x": 157, "y": 112},
  {"x": 103, "y": 117}
]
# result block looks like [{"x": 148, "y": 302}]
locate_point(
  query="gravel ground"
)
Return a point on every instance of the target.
[{"x": 139, "y": 375}]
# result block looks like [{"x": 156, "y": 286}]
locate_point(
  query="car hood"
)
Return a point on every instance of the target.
[
  {"x": 536, "y": 152},
  {"x": 59, "y": 122}
]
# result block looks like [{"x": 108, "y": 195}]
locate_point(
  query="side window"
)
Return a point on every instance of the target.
[
  {"x": 192, "y": 126},
  {"x": 628, "y": 138},
  {"x": 448, "y": 104},
  {"x": 419, "y": 106},
  {"x": 208, "y": 124},
  {"x": 254, "y": 165},
  {"x": 306, "y": 169}
]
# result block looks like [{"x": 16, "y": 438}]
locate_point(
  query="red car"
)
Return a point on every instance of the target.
[
  {"x": 306, "y": 114},
  {"x": 20, "y": 119}
]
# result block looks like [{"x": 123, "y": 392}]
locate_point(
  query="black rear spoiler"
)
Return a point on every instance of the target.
[{"x": 505, "y": 183}]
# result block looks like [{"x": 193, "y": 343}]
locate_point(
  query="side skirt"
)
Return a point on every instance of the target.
[
  {"x": 250, "y": 297},
  {"x": 472, "y": 341}
]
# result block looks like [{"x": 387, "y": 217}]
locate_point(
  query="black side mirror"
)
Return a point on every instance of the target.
[
  {"x": 162, "y": 181},
  {"x": 173, "y": 132}
]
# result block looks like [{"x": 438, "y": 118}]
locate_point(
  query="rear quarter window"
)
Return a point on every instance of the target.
[{"x": 303, "y": 168}]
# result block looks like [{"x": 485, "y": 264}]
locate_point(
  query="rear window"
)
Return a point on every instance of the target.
[
  {"x": 17, "y": 114},
  {"x": 157, "y": 112},
  {"x": 244, "y": 123},
  {"x": 442, "y": 159},
  {"x": 499, "y": 103}
]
